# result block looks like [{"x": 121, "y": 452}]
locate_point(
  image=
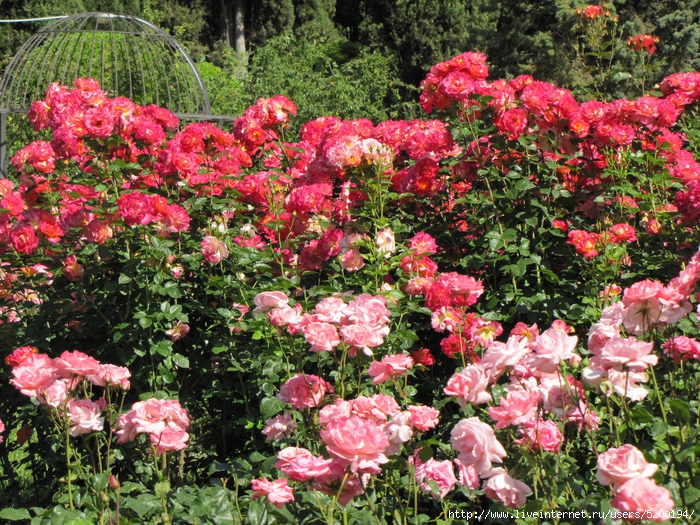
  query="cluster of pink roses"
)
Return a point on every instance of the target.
[
  {"x": 621, "y": 361},
  {"x": 54, "y": 383},
  {"x": 629, "y": 473},
  {"x": 361, "y": 323},
  {"x": 164, "y": 420},
  {"x": 358, "y": 435},
  {"x": 590, "y": 244}
]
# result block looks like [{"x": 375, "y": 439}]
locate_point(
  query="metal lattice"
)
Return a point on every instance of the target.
[{"x": 128, "y": 56}]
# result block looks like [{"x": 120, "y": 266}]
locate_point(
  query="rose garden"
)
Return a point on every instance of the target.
[{"x": 491, "y": 309}]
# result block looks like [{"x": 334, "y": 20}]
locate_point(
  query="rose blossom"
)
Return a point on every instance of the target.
[
  {"x": 172, "y": 437},
  {"x": 266, "y": 301},
  {"x": 340, "y": 408},
  {"x": 423, "y": 418},
  {"x": 541, "y": 435},
  {"x": 323, "y": 337},
  {"x": 35, "y": 372},
  {"x": 516, "y": 408},
  {"x": 476, "y": 444},
  {"x": 469, "y": 386},
  {"x": 618, "y": 465},
  {"x": 84, "y": 416},
  {"x": 440, "y": 472},
  {"x": 111, "y": 375},
  {"x": 386, "y": 243},
  {"x": 397, "y": 431},
  {"x": 304, "y": 391},
  {"x": 499, "y": 356},
  {"x": 213, "y": 250},
  {"x": 300, "y": 464},
  {"x": 279, "y": 427},
  {"x": 643, "y": 494},
  {"x": 75, "y": 363},
  {"x": 467, "y": 476},
  {"x": 19, "y": 355},
  {"x": 500, "y": 486},
  {"x": 359, "y": 443},
  {"x": 552, "y": 347},
  {"x": 390, "y": 366},
  {"x": 277, "y": 492}
]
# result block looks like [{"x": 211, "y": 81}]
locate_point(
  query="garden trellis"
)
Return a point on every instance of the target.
[{"x": 129, "y": 56}]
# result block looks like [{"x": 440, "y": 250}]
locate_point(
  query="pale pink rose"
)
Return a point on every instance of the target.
[
  {"x": 178, "y": 331},
  {"x": 467, "y": 476},
  {"x": 286, "y": 316},
  {"x": 75, "y": 363},
  {"x": 643, "y": 494},
  {"x": 390, "y": 366},
  {"x": 386, "y": 242},
  {"x": 618, "y": 465},
  {"x": 368, "y": 310},
  {"x": 358, "y": 442},
  {"x": 476, "y": 444},
  {"x": 517, "y": 408},
  {"x": 84, "y": 416},
  {"x": 362, "y": 336},
  {"x": 152, "y": 416},
  {"x": 301, "y": 465},
  {"x": 378, "y": 408},
  {"x": 613, "y": 314},
  {"x": 277, "y": 492},
  {"x": 53, "y": 394},
  {"x": 34, "y": 372},
  {"x": 111, "y": 375},
  {"x": 304, "y": 391},
  {"x": 560, "y": 398},
  {"x": 599, "y": 334},
  {"x": 266, "y": 301},
  {"x": 469, "y": 386},
  {"x": 625, "y": 383},
  {"x": 440, "y": 472},
  {"x": 331, "y": 310},
  {"x": 552, "y": 347},
  {"x": 627, "y": 353},
  {"x": 126, "y": 428},
  {"x": 323, "y": 337},
  {"x": 419, "y": 285},
  {"x": 397, "y": 431},
  {"x": 541, "y": 435},
  {"x": 213, "y": 250},
  {"x": 423, "y": 418},
  {"x": 682, "y": 348},
  {"x": 338, "y": 478},
  {"x": 445, "y": 318},
  {"x": 351, "y": 260},
  {"x": 499, "y": 356},
  {"x": 339, "y": 408},
  {"x": 500, "y": 486},
  {"x": 172, "y": 437},
  {"x": 279, "y": 427}
]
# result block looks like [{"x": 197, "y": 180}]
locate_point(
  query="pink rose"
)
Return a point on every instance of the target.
[
  {"x": 467, "y": 476},
  {"x": 84, "y": 416},
  {"x": 398, "y": 431},
  {"x": 172, "y": 437},
  {"x": 72, "y": 269},
  {"x": 627, "y": 352},
  {"x": 323, "y": 337},
  {"x": 541, "y": 435},
  {"x": 423, "y": 418},
  {"x": 469, "y": 386},
  {"x": 499, "y": 356},
  {"x": 304, "y": 391},
  {"x": 362, "y": 336},
  {"x": 351, "y": 260},
  {"x": 643, "y": 494},
  {"x": 277, "y": 492},
  {"x": 377, "y": 408},
  {"x": 178, "y": 331},
  {"x": 285, "y": 316},
  {"x": 390, "y": 366},
  {"x": 331, "y": 310},
  {"x": 340, "y": 408},
  {"x": 279, "y": 427},
  {"x": 358, "y": 443},
  {"x": 501, "y": 487},
  {"x": 618, "y": 465},
  {"x": 266, "y": 301},
  {"x": 441, "y": 473},
  {"x": 213, "y": 250},
  {"x": 476, "y": 444},
  {"x": 2, "y": 429},
  {"x": 76, "y": 363},
  {"x": 350, "y": 484},
  {"x": 34, "y": 372},
  {"x": 111, "y": 375},
  {"x": 53, "y": 394},
  {"x": 552, "y": 347},
  {"x": 517, "y": 408},
  {"x": 386, "y": 243},
  {"x": 301, "y": 465}
]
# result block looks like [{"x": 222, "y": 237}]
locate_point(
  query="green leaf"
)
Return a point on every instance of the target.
[
  {"x": 162, "y": 488},
  {"x": 181, "y": 361},
  {"x": 270, "y": 406},
  {"x": 15, "y": 514},
  {"x": 640, "y": 415},
  {"x": 680, "y": 409}
]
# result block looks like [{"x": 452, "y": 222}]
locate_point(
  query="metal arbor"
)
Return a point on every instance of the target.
[{"x": 128, "y": 56}]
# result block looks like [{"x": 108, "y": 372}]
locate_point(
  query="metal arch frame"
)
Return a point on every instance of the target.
[{"x": 32, "y": 60}]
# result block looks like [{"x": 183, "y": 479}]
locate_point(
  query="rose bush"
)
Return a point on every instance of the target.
[{"x": 490, "y": 309}]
